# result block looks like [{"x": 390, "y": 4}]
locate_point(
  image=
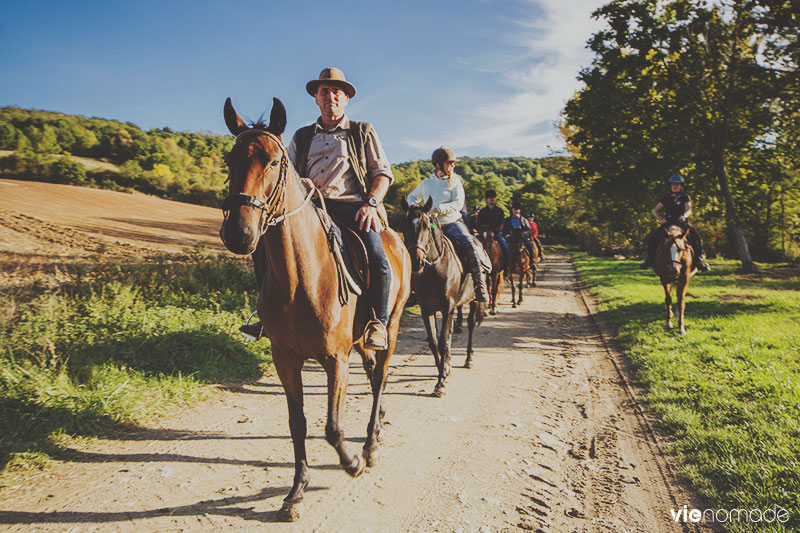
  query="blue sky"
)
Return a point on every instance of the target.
[{"x": 484, "y": 77}]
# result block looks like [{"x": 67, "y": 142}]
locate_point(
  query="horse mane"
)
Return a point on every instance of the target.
[{"x": 675, "y": 231}]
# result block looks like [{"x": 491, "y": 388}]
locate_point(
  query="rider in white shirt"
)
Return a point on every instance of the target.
[{"x": 447, "y": 191}]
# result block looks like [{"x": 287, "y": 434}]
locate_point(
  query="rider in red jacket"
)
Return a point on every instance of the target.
[{"x": 535, "y": 235}]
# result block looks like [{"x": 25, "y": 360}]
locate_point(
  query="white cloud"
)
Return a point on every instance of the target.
[{"x": 541, "y": 58}]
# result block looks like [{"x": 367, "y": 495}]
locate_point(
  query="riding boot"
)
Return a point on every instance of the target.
[
  {"x": 651, "y": 245},
  {"x": 481, "y": 292},
  {"x": 699, "y": 251},
  {"x": 539, "y": 248}
]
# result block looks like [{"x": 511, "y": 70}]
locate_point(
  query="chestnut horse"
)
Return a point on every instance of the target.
[
  {"x": 494, "y": 281},
  {"x": 299, "y": 304},
  {"x": 674, "y": 265},
  {"x": 520, "y": 263},
  {"x": 439, "y": 285}
]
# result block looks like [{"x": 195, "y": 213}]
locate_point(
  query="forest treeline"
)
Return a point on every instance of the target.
[
  {"x": 706, "y": 88},
  {"x": 176, "y": 165},
  {"x": 599, "y": 197},
  {"x": 190, "y": 166}
]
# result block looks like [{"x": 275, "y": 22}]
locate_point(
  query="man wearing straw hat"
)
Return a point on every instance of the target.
[{"x": 345, "y": 160}]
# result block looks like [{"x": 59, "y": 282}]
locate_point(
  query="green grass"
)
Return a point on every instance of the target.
[
  {"x": 728, "y": 392},
  {"x": 115, "y": 345}
]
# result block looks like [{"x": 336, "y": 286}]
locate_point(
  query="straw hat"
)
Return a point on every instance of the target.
[{"x": 333, "y": 76}]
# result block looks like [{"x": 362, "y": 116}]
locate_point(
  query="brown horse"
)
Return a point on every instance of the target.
[
  {"x": 674, "y": 265},
  {"x": 533, "y": 273},
  {"x": 520, "y": 263},
  {"x": 495, "y": 278},
  {"x": 299, "y": 304},
  {"x": 439, "y": 285}
]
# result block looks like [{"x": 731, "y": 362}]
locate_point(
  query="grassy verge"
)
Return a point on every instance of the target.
[
  {"x": 115, "y": 345},
  {"x": 728, "y": 391}
]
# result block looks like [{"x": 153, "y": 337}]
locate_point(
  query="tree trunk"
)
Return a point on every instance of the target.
[
  {"x": 732, "y": 213},
  {"x": 783, "y": 225}
]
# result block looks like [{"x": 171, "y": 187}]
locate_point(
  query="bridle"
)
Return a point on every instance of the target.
[
  {"x": 424, "y": 261},
  {"x": 679, "y": 241},
  {"x": 273, "y": 210}
]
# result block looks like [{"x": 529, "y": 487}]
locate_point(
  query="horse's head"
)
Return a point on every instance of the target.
[
  {"x": 421, "y": 234},
  {"x": 678, "y": 253},
  {"x": 486, "y": 237},
  {"x": 517, "y": 240},
  {"x": 258, "y": 170}
]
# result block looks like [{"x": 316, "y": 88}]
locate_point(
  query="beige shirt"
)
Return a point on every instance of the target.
[{"x": 329, "y": 168}]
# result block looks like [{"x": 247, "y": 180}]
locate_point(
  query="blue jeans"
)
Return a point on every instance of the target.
[
  {"x": 505, "y": 249},
  {"x": 458, "y": 233},
  {"x": 380, "y": 272}
]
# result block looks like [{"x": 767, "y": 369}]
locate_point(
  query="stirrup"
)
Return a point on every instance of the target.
[{"x": 247, "y": 329}]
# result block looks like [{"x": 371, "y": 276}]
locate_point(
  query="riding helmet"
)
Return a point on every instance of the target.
[
  {"x": 676, "y": 178},
  {"x": 442, "y": 154}
]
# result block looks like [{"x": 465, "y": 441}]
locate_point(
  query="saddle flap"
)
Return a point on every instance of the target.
[
  {"x": 355, "y": 254},
  {"x": 459, "y": 260}
]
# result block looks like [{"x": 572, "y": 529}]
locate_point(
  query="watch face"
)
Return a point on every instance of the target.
[{"x": 373, "y": 202}]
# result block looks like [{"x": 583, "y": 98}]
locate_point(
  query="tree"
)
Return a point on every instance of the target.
[{"x": 679, "y": 85}]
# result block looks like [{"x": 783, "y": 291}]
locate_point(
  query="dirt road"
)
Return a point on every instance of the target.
[{"x": 541, "y": 435}]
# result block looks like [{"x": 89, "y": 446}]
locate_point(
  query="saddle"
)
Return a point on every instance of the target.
[{"x": 350, "y": 256}]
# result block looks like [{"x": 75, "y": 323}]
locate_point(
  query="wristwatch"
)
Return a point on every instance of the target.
[{"x": 372, "y": 202}]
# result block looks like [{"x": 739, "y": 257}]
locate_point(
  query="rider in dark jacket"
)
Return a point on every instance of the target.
[
  {"x": 492, "y": 217},
  {"x": 677, "y": 206},
  {"x": 517, "y": 221}
]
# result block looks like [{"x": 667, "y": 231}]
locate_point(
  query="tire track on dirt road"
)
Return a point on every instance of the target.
[{"x": 540, "y": 435}]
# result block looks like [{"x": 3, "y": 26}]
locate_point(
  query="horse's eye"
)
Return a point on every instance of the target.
[{"x": 274, "y": 164}]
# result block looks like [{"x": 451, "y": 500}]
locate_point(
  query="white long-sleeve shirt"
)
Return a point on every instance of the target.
[{"x": 446, "y": 199}]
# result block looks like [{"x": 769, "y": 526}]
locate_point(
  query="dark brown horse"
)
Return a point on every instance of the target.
[
  {"x": 674, "y": 265},
  {"x": 439, "y": 285},
  {"x": 299, "y": 304},
  {"x": 520, "y": 263},
  {"x": 494, "y": 280}
]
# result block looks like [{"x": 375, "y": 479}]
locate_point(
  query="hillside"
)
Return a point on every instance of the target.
[
  {"x": 189, "y": 167},
  {"x": 115, "y": 155}
]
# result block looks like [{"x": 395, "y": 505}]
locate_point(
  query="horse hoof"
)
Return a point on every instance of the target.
[
  {"x": 439, "y": 391},
  {"x": 290, "y": 512},
  {"x": 371, "y": 457},
  {"x": 492, "y": 312},
  {"x": 458, "y": 330},
  {"x": 468, "y": 363},
  {"x": 356, "y": 468}
]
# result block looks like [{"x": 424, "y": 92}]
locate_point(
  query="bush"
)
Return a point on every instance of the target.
[{"x": 67, "y": 170}]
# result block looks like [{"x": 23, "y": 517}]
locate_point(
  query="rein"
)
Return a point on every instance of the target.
[
  {"x": 275, "y": 202},
  {"x": 426, "y": 252}
]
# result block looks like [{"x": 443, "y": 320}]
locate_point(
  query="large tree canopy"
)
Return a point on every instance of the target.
[{"x": 705, "y": 88}]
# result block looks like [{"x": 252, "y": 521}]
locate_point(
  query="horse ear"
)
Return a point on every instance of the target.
[
  {"x": 404, "y": 204},
  {"x": 235, "y": 124},
  {"x": 428, "y": 204},
  {"x": 277, "y": 118}
]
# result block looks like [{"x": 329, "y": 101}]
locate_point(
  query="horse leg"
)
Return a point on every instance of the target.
[
  {"x": 338, "y": 372},
  {"x": 458, "y": 327},
  {"x": 520, "y": 289},
  {"x": 445, "y": 334},
  {"x": 680, "y": 293},
  {"x": 378, "y": 384},
  {"x": 430, "y": 330},
  {"x": 473, "y": 313},
  {"x": 290, "y": 373},
  {"x": 513, "y": 292},
  {"x": 668, "y": 304}
]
